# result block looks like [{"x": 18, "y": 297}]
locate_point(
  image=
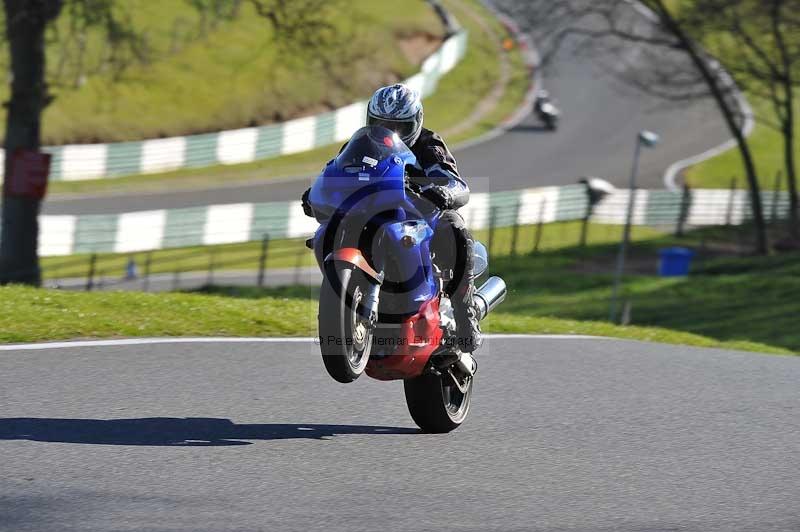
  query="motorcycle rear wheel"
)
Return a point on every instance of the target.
[
  {"x": 345, "y": 335},
  {"x": 436, "y": 404}
]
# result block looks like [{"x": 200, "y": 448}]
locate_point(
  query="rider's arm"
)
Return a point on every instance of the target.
[{"x": 449, "y": 188}]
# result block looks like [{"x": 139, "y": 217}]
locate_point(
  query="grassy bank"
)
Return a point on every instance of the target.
[
  {"x": 767, "y": 146},
  {"x": 30, "y": 315},
  {"x": 478, "y": 72},
  {"x": 200, "y": 72}
]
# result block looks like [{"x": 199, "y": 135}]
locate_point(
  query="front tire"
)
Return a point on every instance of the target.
[
  {"x": 345, "y": 335},
  {"x": 435, "y": 403}
]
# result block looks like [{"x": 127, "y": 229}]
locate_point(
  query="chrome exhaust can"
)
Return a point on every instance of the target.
[{"x": 490, "y": 295}]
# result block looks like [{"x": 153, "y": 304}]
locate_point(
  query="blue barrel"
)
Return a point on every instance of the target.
[{"x": 674, "y": 262}]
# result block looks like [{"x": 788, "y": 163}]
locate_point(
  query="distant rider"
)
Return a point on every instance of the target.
[{"x": 399, "y": 108}]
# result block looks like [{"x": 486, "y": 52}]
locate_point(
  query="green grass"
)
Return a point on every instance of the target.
[
  {"x": 450, "y": 105},
  {"x": 28, "y": 315},
  {"x": 748, "y": 304},
  {"x": 230, "y": 76},
  {"x": 767, "y": 147}
]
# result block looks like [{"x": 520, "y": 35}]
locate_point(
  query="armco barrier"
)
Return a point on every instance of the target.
[
  {"x": 243, "y": 222},
  {"x": 94, "y": 161}
]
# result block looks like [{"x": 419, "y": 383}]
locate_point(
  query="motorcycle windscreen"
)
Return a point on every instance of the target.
[
  {"x": 370, "y": 146},
  {"x": 368, "y": 175}
]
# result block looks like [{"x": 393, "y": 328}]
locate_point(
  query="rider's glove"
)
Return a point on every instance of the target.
[
  {"x": 440, "y": 196},
  {"x": 307, "y": 210}
]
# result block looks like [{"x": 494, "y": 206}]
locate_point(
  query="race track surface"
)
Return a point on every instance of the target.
[
  {"x": 564, "y": 435},
  {"x": 596, "y": 137}
]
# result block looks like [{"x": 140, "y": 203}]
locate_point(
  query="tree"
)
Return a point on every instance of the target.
[
  {"x": 26, "y": 21},
  {"x": 671, "y": 64},
  {"x": 294, "y": 22},
  {"x": 761, "y": 43}
]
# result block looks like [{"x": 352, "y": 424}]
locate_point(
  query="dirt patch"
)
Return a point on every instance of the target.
[{"x": 417, "y": 47}]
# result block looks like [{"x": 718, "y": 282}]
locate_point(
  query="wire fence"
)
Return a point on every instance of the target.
[{"x": 264, "y": 244}]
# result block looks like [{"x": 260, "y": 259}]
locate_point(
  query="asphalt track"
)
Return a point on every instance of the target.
[
  {"x": 564, "y": 435},
  {"x": 596, "y": 137}
]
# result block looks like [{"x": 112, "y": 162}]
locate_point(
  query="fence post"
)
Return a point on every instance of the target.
[
  {"x": 731, "y": 196},
  {"x": 776, "y": 194},
  {"x": 585, "y": 223},
  {"x": 262, "y": 260},
  {"x": 298, "y": 264},
  {"x": 683, "y": 215},
  {"x": 539, "y": 227},
  {"x": 147, "y": 264},
  {"x": 91, "y": 273},
  {"x": 211, "y": 257},
  {"x": 492, "y": 220},
  {"x": 515, "y": 231}
]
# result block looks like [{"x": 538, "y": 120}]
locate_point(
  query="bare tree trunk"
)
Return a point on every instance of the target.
[
  {"x": 712, "y": 80},
  {"x": 791, "y": 169},
  {"x": 25, "y": 25}
]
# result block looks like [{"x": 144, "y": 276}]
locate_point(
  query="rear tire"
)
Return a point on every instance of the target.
[
  {"x": 345, "y": 337},
  {"x": 436, "y": 404}
]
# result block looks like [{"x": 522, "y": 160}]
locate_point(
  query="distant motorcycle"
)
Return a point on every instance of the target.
[
  {"x": 546, "y": 110},
  {"x": 382, "y": 306}
]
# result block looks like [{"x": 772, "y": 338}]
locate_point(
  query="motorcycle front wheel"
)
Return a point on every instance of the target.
[
  {"x": 345, "y": 334},
  {"x": 436, "y": 403}
]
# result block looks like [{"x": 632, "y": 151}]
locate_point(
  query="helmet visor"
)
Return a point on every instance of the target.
[{"x": 405, "y": 129}]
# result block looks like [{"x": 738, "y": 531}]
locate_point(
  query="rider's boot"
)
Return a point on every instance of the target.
[{"x": 468, "y": 329}]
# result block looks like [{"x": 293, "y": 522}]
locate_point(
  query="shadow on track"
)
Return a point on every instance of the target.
[
  {"x": 532, "y": 128},
  {"x": 172, "y": 431}
]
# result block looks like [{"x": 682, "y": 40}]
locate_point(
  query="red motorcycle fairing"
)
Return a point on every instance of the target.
[
  {"x": 356, "y": 258},
  {"x": 419, "y": 337}
]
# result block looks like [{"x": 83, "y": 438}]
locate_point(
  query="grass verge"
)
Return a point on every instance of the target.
[{"x": 767, "y": 147}]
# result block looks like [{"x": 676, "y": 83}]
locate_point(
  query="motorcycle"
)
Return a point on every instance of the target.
[
  {"x": 548, "y": 113},
  {"x": 383, "y": 309}
]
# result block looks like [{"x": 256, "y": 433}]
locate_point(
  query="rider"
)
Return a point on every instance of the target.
[
  {"x": 399, "y": 108},
  {"x": 542, "y": 97}
]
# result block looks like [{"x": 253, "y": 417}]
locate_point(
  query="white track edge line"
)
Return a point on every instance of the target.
[{"x": 211, "y": 340}]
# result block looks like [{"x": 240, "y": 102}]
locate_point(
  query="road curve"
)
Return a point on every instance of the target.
[
  {"x": 564, "y": 435},
  {"x": 596, "y": 137}
]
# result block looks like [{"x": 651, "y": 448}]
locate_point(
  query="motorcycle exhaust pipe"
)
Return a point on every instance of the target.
[{"x": 490, "y": 295}]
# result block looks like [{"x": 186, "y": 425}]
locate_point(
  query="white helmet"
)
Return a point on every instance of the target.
[{"x": 398, "y": 108}]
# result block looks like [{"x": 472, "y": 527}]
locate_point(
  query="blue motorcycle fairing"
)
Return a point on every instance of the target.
[
  {"x": 412, "y": 269},
  {"x": 368, "y": 175}
]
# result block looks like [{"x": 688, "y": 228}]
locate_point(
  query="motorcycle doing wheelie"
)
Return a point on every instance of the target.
[{"x": 383, "y": 309}]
